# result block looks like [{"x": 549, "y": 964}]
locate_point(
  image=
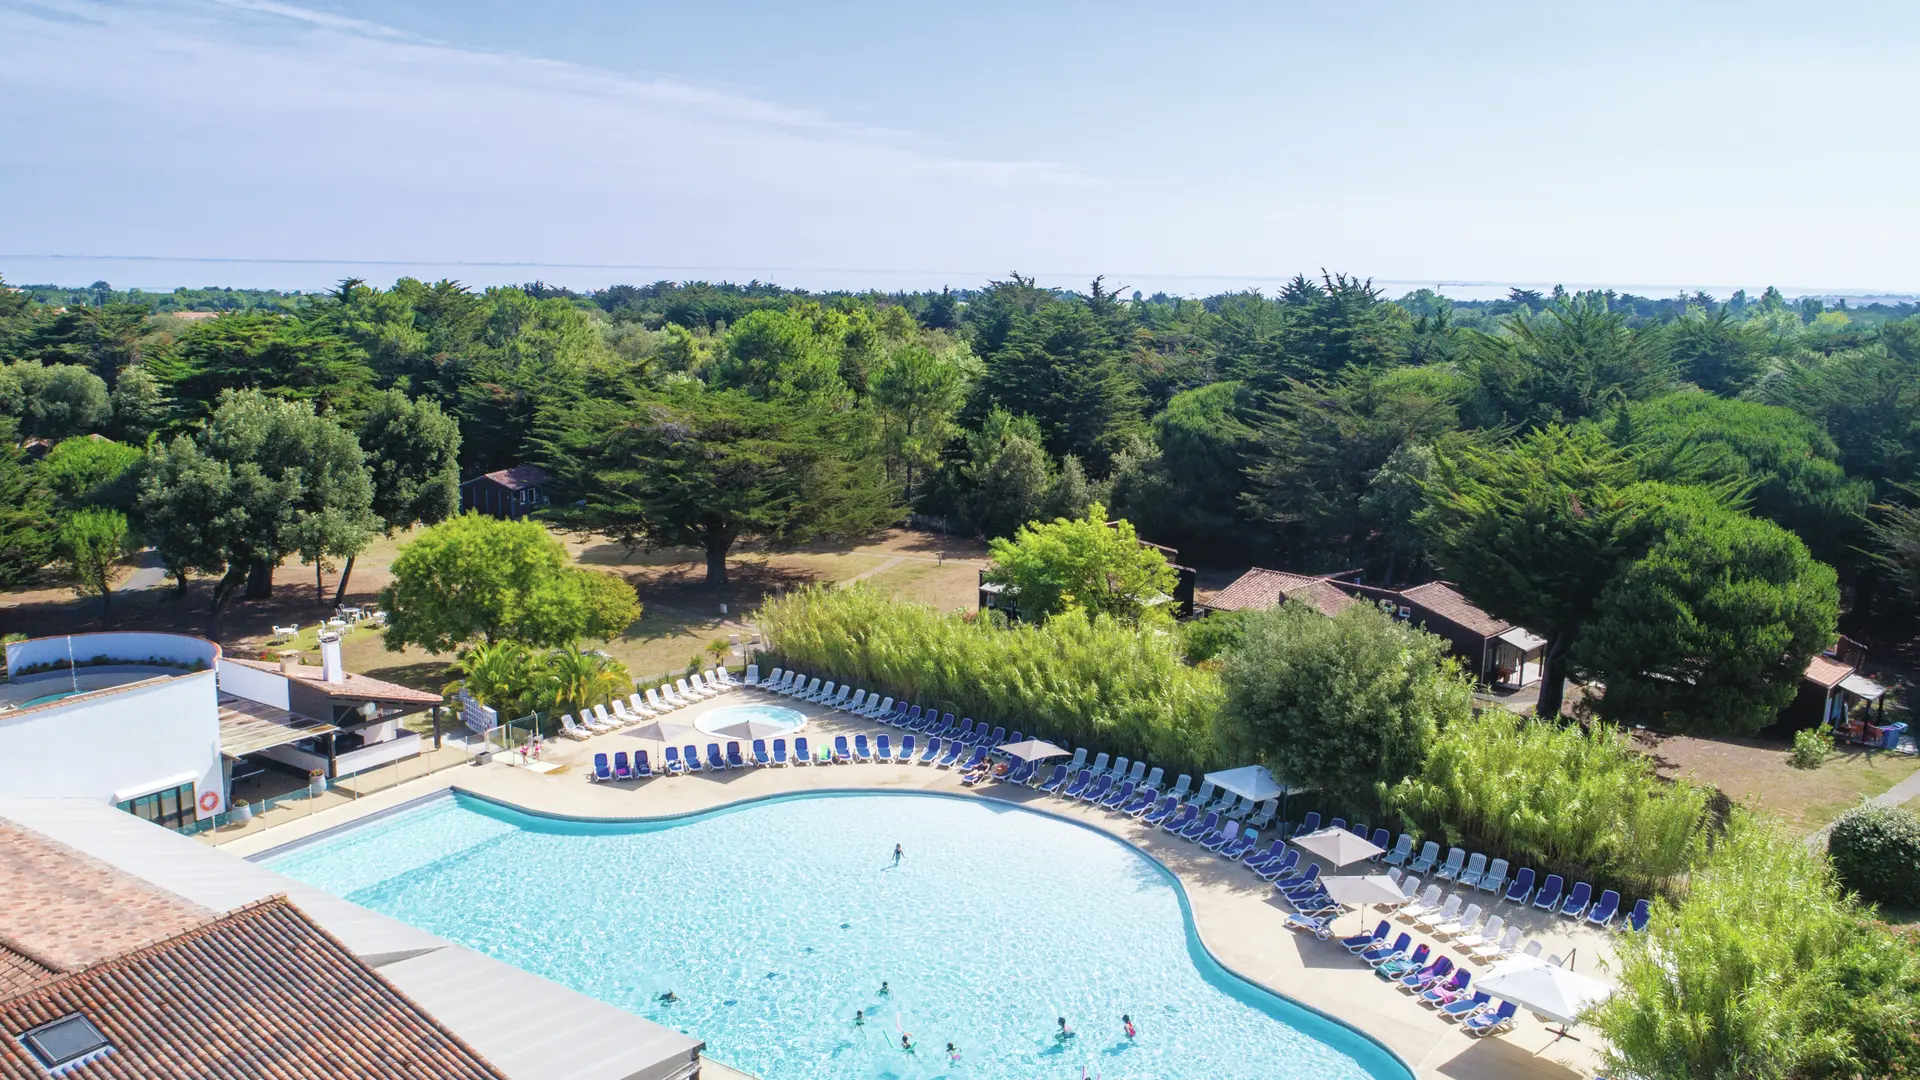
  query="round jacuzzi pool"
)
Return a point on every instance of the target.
[{"x": 752, "y": 722}]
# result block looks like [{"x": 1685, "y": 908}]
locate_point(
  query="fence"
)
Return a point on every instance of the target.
[{"x": 304, "y": 801}]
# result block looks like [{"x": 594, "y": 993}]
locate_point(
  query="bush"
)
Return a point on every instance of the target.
[
  {"x": 1580, "y": 803},
  {"x": 1087, "y": 679},
  {"x": 1340, "y": 703},
  {"x": 1209, "y": 638},
  {"x": 1811, "y": 747},
  {"x": 1876, "y": 852}
]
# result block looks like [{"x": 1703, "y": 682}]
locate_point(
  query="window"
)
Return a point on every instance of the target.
[
  {"x": 172, "y": 807},
  {"x": 65, "y": 1041}
]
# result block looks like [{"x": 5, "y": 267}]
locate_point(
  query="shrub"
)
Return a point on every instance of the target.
[
  {"x": 1811, "y": 747},
  {"x": 1087, "y": 679},
  {"x": 1762, "y": 969},
  {"x": 1581, "y": 803},
  {"x": 1340, "y": 703},
  {"x": 1876, "y": 852},
  {"x": 1208, "y": 638}
]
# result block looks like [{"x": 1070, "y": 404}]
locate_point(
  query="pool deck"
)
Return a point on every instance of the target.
[{"x": 1239, "y": 917}]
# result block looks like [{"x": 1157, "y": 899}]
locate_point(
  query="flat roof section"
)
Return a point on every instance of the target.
[{"x": 247, "y": 725}]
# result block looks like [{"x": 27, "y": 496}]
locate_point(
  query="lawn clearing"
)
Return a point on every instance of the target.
[{"x": 1756, "y": 773}]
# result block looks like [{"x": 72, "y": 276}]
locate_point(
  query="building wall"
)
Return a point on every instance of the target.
[
  {"x": 116, "y": 742},
  {"x": 1472, "y": 650}
]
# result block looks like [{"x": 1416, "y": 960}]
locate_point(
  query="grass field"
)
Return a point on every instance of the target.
[{"x": 1758, "y": 774}]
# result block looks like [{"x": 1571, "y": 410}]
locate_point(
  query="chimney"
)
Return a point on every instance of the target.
[
  {"x": 330, "y": 669},
  {"x": 288, "y": 662}
]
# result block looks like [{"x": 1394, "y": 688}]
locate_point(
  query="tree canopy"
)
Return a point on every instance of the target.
[{"x": 1084, "y": 564}]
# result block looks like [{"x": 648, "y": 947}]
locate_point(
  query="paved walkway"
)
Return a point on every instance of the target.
[{"x": 1238, "y": 916}]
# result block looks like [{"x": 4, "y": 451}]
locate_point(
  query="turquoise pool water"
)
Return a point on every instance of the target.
[
  {"x": 775, "y": 921},
  {"x": 768, "y": 722}
]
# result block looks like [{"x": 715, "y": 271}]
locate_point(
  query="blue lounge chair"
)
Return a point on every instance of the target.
[
  {"x": 1320, "y": 928},
  {"x": 1203, "y": 827},
  {"x": 1183, "y": 817},
  {"x": 1360, "y": 943},
  {"x": 673, "y": 764},
  {"x": 1381, "y": 838},
  {"x": 882, "y": 748},
  {"x": 1358, "y": 830},
  {"x": 1604, "y": 911},
  {"x": 716, "y": 761},
  {"x": 915, "y": 718},
  {"x": 690, "y": 757},
  {"x": 1400, "y": 967},
  {"x": 932, "y": 752},
  {"x": 1379, "y": 954},
  {"x": 1402, "y": 851},
  {"x": 1429, "y": 857},
  {"x": 1441, "y": 993},
  {"x": 1054, "y": 779},
  {"x": 1337, "y": 823},
  {"x": 1465, "y": 1007},
  {"x": 911, "y": 719},
  {"x": 1016, "y": 737},
  {"x": 1079, "y": 785},
  {"x": 953, "y": 729},
  {"x": 1487, "y": 1023},
  {"x": 642, "y": 768},
  {"x": 1240, "y": 845},
  {"x": 760, "y": 752},
  {"x": 1522, "y": 887},
  {"x": 1021, "y": 774},
  {"x": 802, "y": 753},
  {"x": 1577, "y": 901},
  {"x": 601, "y": 771},
  {"x": 1549, "y": 897},
  {"x": 1115, "y": 799},
  {"x": 1637, "y": 918},
  {"x": 954, "y": 750},
  {"x": 975, "y": 759},
  {"x": 906, "y": 750},
  {"x": 1218, "y": 841},
  {"x": 1311, "y": 823},
  {"x": 1299, "y": 881},
  {"x": 998, "y": 737},
  {"x": 1159, "y": 812},
  {"x": 1259, "y": 858},
  {"x": 1277, "y": 869},
  {"x": 621, "y": 770},
  {"x": 840, "y": 751},
  {"x": 1095, "y": 791},
  {"x": 1142, "y": 798},
  {"x": 779, "y": 751}
]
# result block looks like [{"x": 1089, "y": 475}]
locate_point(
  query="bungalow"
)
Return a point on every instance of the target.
[
  {"x": 1260, "y": 588},
  {"x": 1834, "y": 691},
  {"x": 507, "y": 493},
  {"x": 1494, "y": 651}
]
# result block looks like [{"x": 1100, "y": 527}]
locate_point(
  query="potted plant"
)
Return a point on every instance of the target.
[
  {"x": 316, "y": 782},
  {"x": 242, "y": 813}
]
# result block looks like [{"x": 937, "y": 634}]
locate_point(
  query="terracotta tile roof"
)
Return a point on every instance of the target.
[
  {"x": 66, "y": 909},
  {"x": 520, "y": 476},
  {"x": 18, "y": 972},
  {"x": 1260, "y": 588},
  {"x": 356, "y": 687},
  {"x": 260, "y": 994},
  {"x": 1826, "y": 671},
  {"x": 1443, "y": 600}
]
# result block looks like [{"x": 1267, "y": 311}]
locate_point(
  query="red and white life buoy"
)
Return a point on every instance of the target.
[{"x": 209, "y": 801}]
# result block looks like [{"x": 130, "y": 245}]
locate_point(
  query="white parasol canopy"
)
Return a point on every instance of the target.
[
  {"x": 1338, "y": 846},
  {"x": 752, "y": 727},
  {"x": 664, "y": 731},
  {"x": 1032, "y": 750},
  {"x": 1355, "y": 890},
  {"x": 1252, "y": 783},
  {"x": 1547, "y": 989}
]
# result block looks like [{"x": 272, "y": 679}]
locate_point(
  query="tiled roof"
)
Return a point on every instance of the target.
[
  {"x": 1441, "y": 599},
  {"x": 260, "y": 994},
  {"x": 18, "y": 972},
  {"x": 1827, "y": 672},
  {"x": 520, "y": 476},
  {"x": 65, "y": 909},
  {"x": 357, "y": 687},
  {"x": 1260, "y": 588}
]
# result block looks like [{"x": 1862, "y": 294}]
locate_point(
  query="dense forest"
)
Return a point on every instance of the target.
[{"x": 1324, "y": 428}]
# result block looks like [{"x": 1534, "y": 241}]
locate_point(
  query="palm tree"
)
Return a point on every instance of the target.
[
  {"x": 572, "y": 679},
  {"x": 499, "y": 674}
]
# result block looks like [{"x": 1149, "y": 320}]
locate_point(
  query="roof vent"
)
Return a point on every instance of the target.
[
  {"x": 67, "y": 1042},
  {"x": 330, "y": 669}
]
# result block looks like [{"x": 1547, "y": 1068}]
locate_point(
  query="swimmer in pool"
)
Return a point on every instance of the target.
[
  {"x": 898, "y": 854},
  {"x": 884, "y": 991},
  {"x": 1065, "y": 1032},
  {"x": 953, "y": 1053},
  {"x": 859, "y": 1017},
  {"x": 669, "y": 997},
  {"x": 906, "y": 1041},
  {"x": 1126, "y": 1024}
]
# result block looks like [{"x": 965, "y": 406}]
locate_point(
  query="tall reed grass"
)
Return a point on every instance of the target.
[
  {"x": 1564, "y": 800},
  {"x": 1090, "y": 681}
]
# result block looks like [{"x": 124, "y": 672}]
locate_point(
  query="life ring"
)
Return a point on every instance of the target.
[{"x": 209, "y": 801}]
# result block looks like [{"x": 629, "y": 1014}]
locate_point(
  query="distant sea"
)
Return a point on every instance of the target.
[{"x": 158, "y": 274}]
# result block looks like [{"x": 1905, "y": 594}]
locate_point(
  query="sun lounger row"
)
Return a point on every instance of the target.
[
  {"x": 656, "y": 702},
  {"x": 1437, "y": 982},
  {"x": 1476, "y": 872}
]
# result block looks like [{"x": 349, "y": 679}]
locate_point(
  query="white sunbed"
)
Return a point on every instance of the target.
[
  {"x": 639, "y": 707},
  {"x": 753, "y": 675},
  {"x": 658, "y": 703},
  {"x": 672, "y": 697},
  {"x": 572, "y": 730}
]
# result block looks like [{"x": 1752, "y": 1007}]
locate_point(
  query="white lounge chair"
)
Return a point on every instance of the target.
[
  {"x": 713, "y": 682},
  {"x": 1486, "y": 935},
  {"x": 1460, "y": 925},
  {"x": 804, "y": 692},
  {"x": 620, "y": 713},
  {"x": 1447, "y": 911},
  {"x": 673, "y": 697},
  {"x": 789, "y": 683},
  {"x": 874, "y": 711},
  {"x": 687, "y": 691},
  {"x": 726, "y": 678},
  {"x": 859, "y": 702},
  {"x": 840, "y": 700},
  {"x": 753, "y": 674},
  {"x": 1428, "y": 903},
  {"x": 639, "y": 707},
  {"x": 657, "y": 703},
  {"x": 597, "y": 726},
  {"x": 819, "y": 695},
  {"x": 600, "y": 715},
  {"x": 572, "y": 730}
]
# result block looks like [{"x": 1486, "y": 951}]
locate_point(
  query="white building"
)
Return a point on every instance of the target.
[{"x": 155, "y": 723}]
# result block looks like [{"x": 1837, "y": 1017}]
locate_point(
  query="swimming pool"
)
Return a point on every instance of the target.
[
  {"x": 768, "y": 722},
  {"x": 774, "y": 921}
]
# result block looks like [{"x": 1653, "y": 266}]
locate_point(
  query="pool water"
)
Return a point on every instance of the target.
[
  {"x": 785, "y": 720},
  {"x": 773, "y": 922}
]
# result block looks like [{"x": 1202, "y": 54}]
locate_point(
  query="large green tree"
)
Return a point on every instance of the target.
[
  {"x": 90, "y": 544},
  {"x": 1342, "y": 703},
  {"x": 413, "y": 453},
  {"x": 26, "y": 512},
  {"x": 480, "y": 579},
  {"x": 53, "y": 402},
  {"x": 90, "y": 471},
  {"x": 916, "y": 393},
  {"x": 266, "y": 478},
  {"x": 1084, "y": 564},
  {"x": 1710, "y": 629},
  {"x": 706, "y": 468},
  {"x": 1574, "y": 361},
  {"x": 286, "y": 357},
  {"x": 1066, "y": 366}
]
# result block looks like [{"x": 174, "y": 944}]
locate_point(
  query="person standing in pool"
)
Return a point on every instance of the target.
[
  {"x": 953, "y": 1054},
  {"x": 1065, "y": 1032},
  {"x": 1126, "y": 1025},
  {"x": 885, "y": 991},
  {"x": 859, "y": 1018},
  {"x": 898, "y": 854}
]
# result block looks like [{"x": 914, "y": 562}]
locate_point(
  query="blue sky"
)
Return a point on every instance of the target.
[{"x": 1185, "y": 147}]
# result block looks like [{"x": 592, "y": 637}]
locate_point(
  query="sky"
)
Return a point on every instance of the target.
[{"x": 1185, "y": 148}]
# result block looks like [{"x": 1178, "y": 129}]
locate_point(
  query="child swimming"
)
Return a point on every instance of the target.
[
  {"x": 953, "y": 1054},
  {"x": 885, "y": 991},
  {"x": 859, "y": 1017},
  {"x": 1065, "y": 1032},
  {"x": 669, "y": 998},
  {"x": 1126, "y": 1025},
  {"x": 906, "y": 1041}
]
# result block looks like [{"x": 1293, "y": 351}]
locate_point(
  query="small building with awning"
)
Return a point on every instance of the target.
[
  {"x": 1836, "y": 692},
  {"x": 323, "y": 719}
]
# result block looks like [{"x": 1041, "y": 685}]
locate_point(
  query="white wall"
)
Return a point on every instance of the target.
[
  {"x": 114, "y": 741},
  {"x": 125, "y": 646},
  {"x": 265, "y": 687}
]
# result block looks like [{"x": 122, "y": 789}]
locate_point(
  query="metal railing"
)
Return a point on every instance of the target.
[{"x": 305, "y": 801}]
